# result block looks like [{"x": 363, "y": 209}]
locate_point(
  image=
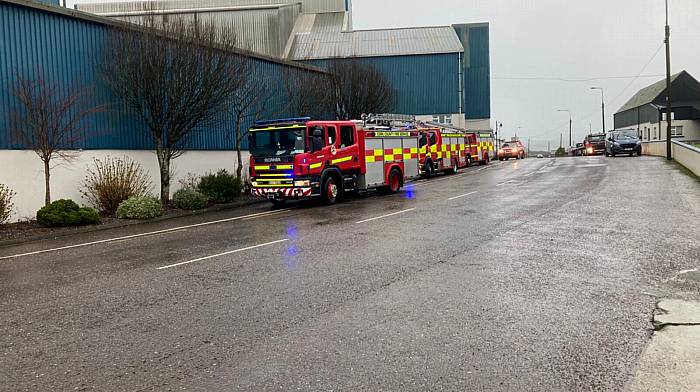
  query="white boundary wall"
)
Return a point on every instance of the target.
[
  {"x": 687, "y": 155},
  {"x": 683, "y": 153},
  {"x": 23, "y": 172}
]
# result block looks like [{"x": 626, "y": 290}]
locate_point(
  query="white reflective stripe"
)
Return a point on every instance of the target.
[{"x": 223, "y": 254}]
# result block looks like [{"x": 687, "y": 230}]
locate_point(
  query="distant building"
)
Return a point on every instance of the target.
[
  {"x": 441, "y": 71},
  {"x": 645, "y": 112}
]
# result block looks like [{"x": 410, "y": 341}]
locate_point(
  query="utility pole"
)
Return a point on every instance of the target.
[
  {"x": 669, "y": 109},
  {"x": 549, "y": 149},
  {"x": 561, "y": 140},
  {"x": 570, "y": 125},
  {"x": 528, "y": 147},
  {"x": 602, "y": 98}
]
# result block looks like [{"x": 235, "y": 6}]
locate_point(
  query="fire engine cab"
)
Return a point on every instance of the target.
[{"x": 299, "y": 159}]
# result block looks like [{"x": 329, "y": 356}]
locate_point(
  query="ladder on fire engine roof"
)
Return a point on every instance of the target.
[{"x": 388, "y": 120}]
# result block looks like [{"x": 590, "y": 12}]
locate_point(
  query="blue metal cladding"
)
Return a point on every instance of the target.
[
  {"x": 423, "y": 84},
  {"x": 476, "y": 70},
  {"x": 65, "y": 51}
]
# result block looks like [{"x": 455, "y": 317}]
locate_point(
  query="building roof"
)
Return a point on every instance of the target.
[
  {"x": 649, "y": 94},
  {"x": 101, "y": 20},
  {"x": 325, "y": 40},
  {"x": 113, "y": 7}
]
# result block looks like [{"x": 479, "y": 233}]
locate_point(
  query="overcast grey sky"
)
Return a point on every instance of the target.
[
  {"x": 558, "y": 39},
  {"x": 568, "y": 39}
]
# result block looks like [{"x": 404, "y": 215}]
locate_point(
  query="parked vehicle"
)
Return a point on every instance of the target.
[
  {"x": 594, "y": 144},
  {"x": 623, "y": 142},
  {"x": 511, "y": 150},
  {"x": 441, "y": 152},
  {"x": 485, "y": 151},
  {"x": 540, "y": 156},
  {"x": 297, "y": 158}
]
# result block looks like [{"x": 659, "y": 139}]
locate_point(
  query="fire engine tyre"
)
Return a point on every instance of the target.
[
  {"x": 455, "y": 167},
  {"x": 428, "y": 169},
  {"x": 394, "y": 182},
  {"x": 330, "y": 190}
]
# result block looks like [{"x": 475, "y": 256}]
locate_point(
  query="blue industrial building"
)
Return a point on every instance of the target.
[
  {"x": 433, "y": 70},
  {"x": 63, "y": 47},
  {"x": 439, "y": 70}
]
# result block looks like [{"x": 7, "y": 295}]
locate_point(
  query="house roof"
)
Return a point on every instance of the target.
[{"x": 651, "y": 93}]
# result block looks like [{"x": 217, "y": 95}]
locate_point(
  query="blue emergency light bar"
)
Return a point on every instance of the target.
[{"x": 292, "y": 120}]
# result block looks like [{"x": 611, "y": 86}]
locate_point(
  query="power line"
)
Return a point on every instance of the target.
[
  {"x": 634, "y": 79},
  {"x": 545, "y": 79}
]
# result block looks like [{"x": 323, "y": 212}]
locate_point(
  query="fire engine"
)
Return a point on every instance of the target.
[
  {"x": 482, "y": 147},
  {"x": 450, "y": 149},
  {"x": 298, "y": 158},
  {"x": 441, "y": 152}
]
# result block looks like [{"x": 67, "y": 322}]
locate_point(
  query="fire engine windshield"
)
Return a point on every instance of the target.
[{"x": 281, "y": 141}]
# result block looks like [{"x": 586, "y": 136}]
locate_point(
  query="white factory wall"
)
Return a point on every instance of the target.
[{"x": 23, "y": 172}]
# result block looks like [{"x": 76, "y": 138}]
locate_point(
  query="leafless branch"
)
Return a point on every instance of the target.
[{"x": 49, "y": 118}]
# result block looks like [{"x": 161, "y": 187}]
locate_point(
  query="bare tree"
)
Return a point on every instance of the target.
[
  {"x": 248, "y": 102},
  {"x": 360, "y": 88},
  {"x": 178, "y": 77},
  {"x": 308, "y": 93},
  {"x": 48, "y": 118}
]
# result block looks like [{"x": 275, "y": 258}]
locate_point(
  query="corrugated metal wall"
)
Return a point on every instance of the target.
[
  {"x": 264, "y": 30},
  {"x": 308, "y": 6},
  {"x": 423, "y": 84},
  {"x": 65, "y": 50},
  {"x": 476, "y": 70}
]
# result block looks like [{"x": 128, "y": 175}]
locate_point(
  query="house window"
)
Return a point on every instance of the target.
[{"x": 677, "y": 131}]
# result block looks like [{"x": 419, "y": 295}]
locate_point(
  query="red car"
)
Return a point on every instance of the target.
[{"x": 511, "y": 150}]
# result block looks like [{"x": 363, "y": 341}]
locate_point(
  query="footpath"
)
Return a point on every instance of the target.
[{"x": 671, "y": 361}]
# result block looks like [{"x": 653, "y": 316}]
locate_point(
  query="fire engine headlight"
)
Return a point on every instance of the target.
[
  {"x": 589, "y": 150},
  {"x": 254, "y": 183},
  {"x": 500, "y": 151},
  {"x": 304, "y": 183}
]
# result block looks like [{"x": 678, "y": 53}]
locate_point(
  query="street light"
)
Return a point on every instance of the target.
[
  {"x": 602, "y": 98},
  {"x": 570, "y": 124}
]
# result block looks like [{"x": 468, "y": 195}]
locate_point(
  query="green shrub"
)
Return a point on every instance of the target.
[
  {"x": 561, "y": 152},
  {"x": 114, "y": 180},
  {"x": 187, "y": 199},
  {"x": 6, "y": 205},
  {"x": 221, "y": 187},
  {"x": 140, "y": 207},
  {"x": 62, "y": 213}
]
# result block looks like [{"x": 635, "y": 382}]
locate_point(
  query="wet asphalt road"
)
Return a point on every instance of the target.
[{"x": 533, "y": 275}]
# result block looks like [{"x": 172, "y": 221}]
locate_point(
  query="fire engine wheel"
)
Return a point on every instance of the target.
[
  {"x": 394, "y": 181},
  {"x": 330, "y": 190},
  {"x": 455, "y": 167},
  {"x": 428, "y": 169}
]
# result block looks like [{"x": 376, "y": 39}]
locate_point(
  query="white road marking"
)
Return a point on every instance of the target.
[
  {"x": 529, "y": 174},
  {"x": 688, "y": 271},
  {"x": 592, "y": 165},
  {"x": 461, "y": 196},
  {"x": 385, "y": 216},
  {"x": 129, "y": 237},
  {"x": 504, "y": 183},
  {"x": 223, "y": 254}
]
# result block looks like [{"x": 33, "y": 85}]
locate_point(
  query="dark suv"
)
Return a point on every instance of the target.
[{"x": 623, "y": 142}]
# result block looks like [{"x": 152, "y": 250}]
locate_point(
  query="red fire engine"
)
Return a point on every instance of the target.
[
  {"x": 300, "y": 159},
  {"x": 440, "y": 152}
]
